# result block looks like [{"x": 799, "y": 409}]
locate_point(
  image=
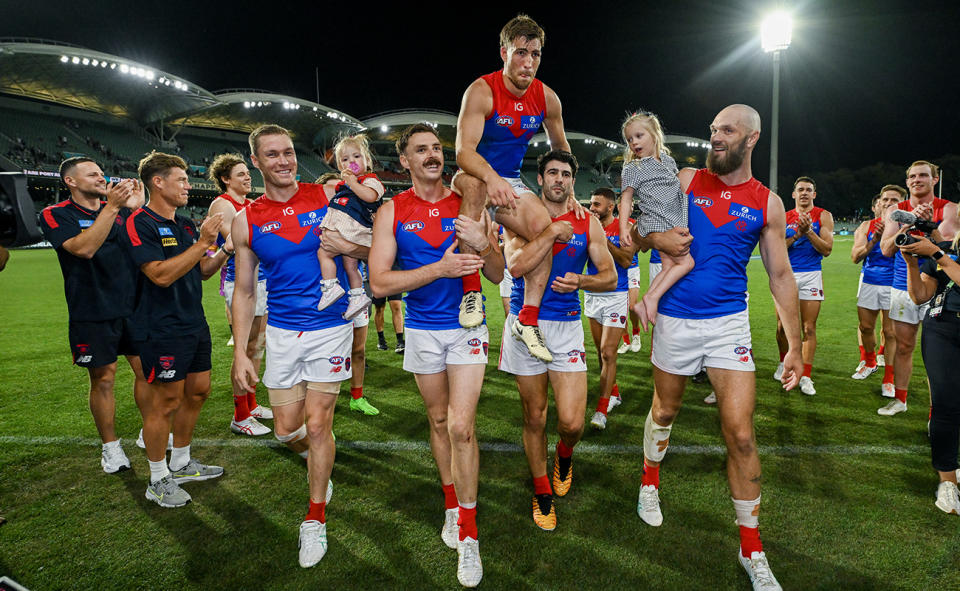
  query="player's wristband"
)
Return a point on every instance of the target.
[{"x": 226, "y": 252}]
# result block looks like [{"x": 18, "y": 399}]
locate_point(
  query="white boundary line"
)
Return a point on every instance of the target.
[{"x": 583, "y": 448}]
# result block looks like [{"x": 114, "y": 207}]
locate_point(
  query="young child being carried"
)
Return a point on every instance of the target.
[
  {"x": 358, "y": 195},
  {"x": 650, "y": 175}
]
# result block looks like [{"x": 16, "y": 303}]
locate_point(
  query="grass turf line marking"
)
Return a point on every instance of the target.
[{"x": 500, "y": 447}]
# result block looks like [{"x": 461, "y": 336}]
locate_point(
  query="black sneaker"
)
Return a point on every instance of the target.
[{"x": 382, "y": 346}]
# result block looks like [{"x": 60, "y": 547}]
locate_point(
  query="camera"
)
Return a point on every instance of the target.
[
  {"x": 914, "y": 223},
  {"x": 18, "y": 218}
]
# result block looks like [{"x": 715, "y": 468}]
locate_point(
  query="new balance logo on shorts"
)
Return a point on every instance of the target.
[{"x": 167, "y": 374}]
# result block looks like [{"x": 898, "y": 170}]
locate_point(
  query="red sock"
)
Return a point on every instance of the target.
[
  {"x": 871, "y": 359},
  {"x": 602, "y": 405},
  {"x": 636, "y": 330},
  {"x": 252, "y": 400},
  {"x": 468, "y": 522},
  {"x": 317, "y": 512},
  {"x": 807, "y": 369},
  {"x": 528, "y": 315},
  {"x": 900, "y": 394},
  {"x": 541, "y": 485},
  {"x": 626, "y": 339},
  {"x": 750, "y": 541},
  {"x": 615, "y": 391},
  {"x": 863, "y": 353},
  {"x": 563, "y": 451},
  {"x": 880, "y": 352},
  {"x": 472, "y": 283},
  {"x": 356, "y": 393},
  {"x": 241, "y": 409},
  {"x": 449, "y": 496},
  {"x": 782, "y": 356},
  {"x": 930, "y": 414},
  {"x": 651, "y": 475},
  {"x": 888, "y": 373}
]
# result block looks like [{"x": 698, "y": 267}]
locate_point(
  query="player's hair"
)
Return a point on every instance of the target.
[
  {"x": 560, "y": 156},
  {"x": 222, "y": 166},
  {"x": 897, "y": 188},
  {"x": 158, "y": 164},
  {"x": 361, "y": 142},
  {"x": 407, "y": 133},
  {"x": 268, "y": 129},
  {"x": 805, "y": 179},
  {"x": 67, "y": 166},
  {"x": 521, "y": 26},
  {"x": 605, "y": 192},
  {"x": 934, "y": 169},
  {"x": 327, "y": 176},
  {"x": 651, "y": 123}
]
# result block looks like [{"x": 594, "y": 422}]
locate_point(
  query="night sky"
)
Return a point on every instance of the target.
[{"x": 862, "y": 82}]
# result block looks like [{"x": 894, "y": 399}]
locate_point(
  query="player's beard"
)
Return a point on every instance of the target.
[
  {"x": 551, "y": 196},
  {"x": 733, "y": 159}
]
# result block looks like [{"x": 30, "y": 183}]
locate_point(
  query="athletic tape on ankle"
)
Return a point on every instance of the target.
[
  {"x": 292, "y": 437},
  {"x": 748, "y": 512},
  {"x": 655, "y": 439}
]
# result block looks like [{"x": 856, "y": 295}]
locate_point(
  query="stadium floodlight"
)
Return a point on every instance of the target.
[
  {"x": 75, "y": 60},
  {"x": 124, "y": 68},
  {"x": 64, "y": 59},
  {"x": 103, "y": 64},
  {"x": 150, "y": 74},
  {"x": 95, "y": 62},
  {"x": 85, "y": 61},
  {"x": 776, "y": 32},
  {"x": 384, "y": 129},
  {"x": 113, "y": 66}
]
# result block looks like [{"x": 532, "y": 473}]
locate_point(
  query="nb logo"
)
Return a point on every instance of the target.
[
  {"x": 85, "y": 359},
  {"x": 167, "y": 374},
  {"x": 288, "y": 211}
]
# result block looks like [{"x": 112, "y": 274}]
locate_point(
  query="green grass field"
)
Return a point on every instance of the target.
[{"x": 847, "y": 502}]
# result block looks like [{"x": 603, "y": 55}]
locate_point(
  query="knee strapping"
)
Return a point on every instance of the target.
[
  {"x": 656, "y": 438},
  {"x": 292, "y": 437}
]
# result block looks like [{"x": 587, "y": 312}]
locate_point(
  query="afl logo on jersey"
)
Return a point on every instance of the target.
[
  {"x": 269, "y": 227},
  {"x": 703, "y": 202},
  {"x": 505, "y": 121},
  {"x": 415, "y": 226}
]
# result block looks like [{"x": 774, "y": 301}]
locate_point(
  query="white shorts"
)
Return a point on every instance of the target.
[
  {"x": 607, "y": 308},
  {"x": 903, "y": 309},
  {"x": 295, "y": 356},
  {"x": 518, "y": 187},
  {"x": 362, "y": 319},
  {"x": 633, "y": 278},
  {"x": 873, "y": 297},
  {"x": 655, "y": 269},
  {"x": 431, "y": 351},
  {"x": 260, "y": 308},
  {"x": 564, "y": 339},
  {"x": 506, "y": 286},
  {"x": 684, "y": 347},
  {"x": 810, "y": 285}
]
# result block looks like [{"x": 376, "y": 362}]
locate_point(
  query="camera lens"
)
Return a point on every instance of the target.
[{"x": 904, "y": 239}]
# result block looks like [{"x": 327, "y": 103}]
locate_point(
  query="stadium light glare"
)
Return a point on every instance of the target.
[
  {"x": 384, "y": 129},
  {"x": 150, "y": 74},
  {"x": 75, "y": 60},
  {"x": 776, "y": 31},
  {"x": 124, "y": 68},
  {"x": 85, "y": 61},
  {"x": 113, "y": 66},
  {"x": 64, "y": 59},
  {"x": 103, "y": 64},
  {"x": 94, "y": 62}
]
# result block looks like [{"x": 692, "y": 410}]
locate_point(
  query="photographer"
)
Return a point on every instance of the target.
[{"x": 937, "y": 278}]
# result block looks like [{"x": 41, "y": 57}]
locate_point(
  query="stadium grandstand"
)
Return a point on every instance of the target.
[{"x": 59, "y": 100}]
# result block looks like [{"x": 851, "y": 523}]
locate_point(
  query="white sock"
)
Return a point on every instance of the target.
[
  {"x": 158, "y": 470},
  {"x": 467, "y": 505},
  {"x": 111, "y": 444},
  {"x": 747, "y": 512},
  {"x": 179, "y": 457},
  {"x": 356, "y": 291},
  {"x": 326, "y": 284}
]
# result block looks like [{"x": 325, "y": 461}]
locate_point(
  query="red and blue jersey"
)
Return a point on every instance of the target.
[
  {"x": 424, "y": 231},
  {"x": 899, "y": 265},
  {"x": 803, "y": 256},
  {"x": 655, "y": 257},
  {"x": 725, "y": 222},
  {"x": 285, "y": 237},
  {"x": 568, "y": 256},
  {"x": 877, "y": 268},
  {"x": 612, "y": 230},
  {"x": 510, "y": 125}
]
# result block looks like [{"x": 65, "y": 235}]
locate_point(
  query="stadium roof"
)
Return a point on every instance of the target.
[
  {"x": 591, "y": 149},
  {"x": 95, "y": 81},
  {"x": 387, "y": 126}
]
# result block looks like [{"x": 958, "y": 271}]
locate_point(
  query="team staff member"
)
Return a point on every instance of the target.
[
  {"x": 873, "y": 292},
  {"x": 607, "y": 311},
  {"x": 936, "y": 282},
  {"x": 703, "y": 321},
  {"x": 308, "y": 351},
  {"x": 233, "y": 177},
  {"x": 922, "y": 177},
  {"x": 170, "y": 327},
  {"x": 419, "y": 230},
  {"x": 809, "y": 238},
  {"x": 98, "y": 281},
  {"x": 571, "y": 241}
]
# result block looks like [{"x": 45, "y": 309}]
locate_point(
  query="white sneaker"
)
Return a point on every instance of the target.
[
  {"x": 635, "y": 344},
  {"x": 887, "y": 391},
  {"x": 711, "y": 398},
  {"x": 599, "y": 421},
  {"x": 331, "y": 293},
  {"x": 758, "y": 569},
  {"x": 533, "y": 339},
  {"x": 469, "y": 567},
  {"x": 779, "y": 373},
  {"x": 143, "y": 445},
  {"x": 358, "y": 303},
  {"x": 623, "y": 348},
  {"x": 313, "y": 542},
  {"x": 450, "y": 534},
  {"x": 471, "y": 309},
  {"x": 249, "y": 426},
  {"x": 881, "y": 361},
  {"x": 863, "y": 372},
  {"x": 113, "y": 460},
  {"x": 948, "y": 498},
  {"x": 261, "y": 412},
  {"x": 614, "y": 402},
  {"x": 892, "y": 408},
  {"x": 648, "y": 505},
  {"x": 806, "y": 386}
]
